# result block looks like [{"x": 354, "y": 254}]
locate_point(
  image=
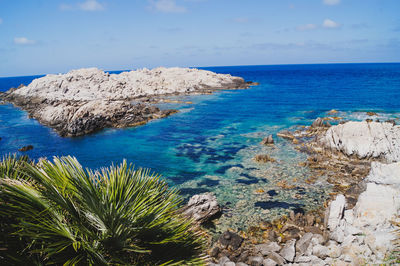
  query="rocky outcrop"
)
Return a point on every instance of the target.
[
  {"x": 203, "y": 207},
  {"x": 362, "y": 235},
  {"x": 365, "y": 140},
  {"x": 360, "y": 222},
  {"x": 86, "y": 100},
  {"x": 268, "y": 140}
]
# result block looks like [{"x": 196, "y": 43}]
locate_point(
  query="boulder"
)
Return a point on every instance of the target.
[
  {"x": 377, "y": 205},
  {"x": 276, "y": 257},
  {"x": 319, "y": 122},
  {"x": 385, "y": 174},
  {"x": 335, "y": 212},
  {"x": 256, "y": 261},
  {"x": 264, "y": 249},
  {"x": 303, "y": 243},
  {"x": 321, "y": 251},
  {"x": 268, "y": 140},
  {"x": 223, "y": 260},
  {"x": 202, "y": 207},
  {"x": 230, "y": 239},
  {"x": 365, "y": 140},
  {"x": 269, "y": 262},
  {"x": 288, "y": 252},
  {"x": 334, "y": 251},
  {"x": 338, "y": 234}
]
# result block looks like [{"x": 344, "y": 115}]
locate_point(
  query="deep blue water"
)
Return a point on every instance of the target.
[{"x": 202, "y": 146}]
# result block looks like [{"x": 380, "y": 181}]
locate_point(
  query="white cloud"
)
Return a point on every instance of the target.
[
  {"x": 91, "y": 5},
  {"x": 330, "y": 24},
  {"x": 307, "y": 27},
  {"x": 331, "y": 2},
  {"x": 1, "y": 21},
  {"x": 23, "y": 41},
  {"x": 166, "y": 6}
]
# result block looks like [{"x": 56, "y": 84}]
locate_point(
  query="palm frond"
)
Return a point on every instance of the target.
[{"x": 118, "y": 215}]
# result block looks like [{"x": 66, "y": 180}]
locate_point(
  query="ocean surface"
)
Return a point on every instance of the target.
[{"x": 210, "y": 144}]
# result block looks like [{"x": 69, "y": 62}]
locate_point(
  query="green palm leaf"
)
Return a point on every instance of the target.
[{"x": 118, "y": 215}]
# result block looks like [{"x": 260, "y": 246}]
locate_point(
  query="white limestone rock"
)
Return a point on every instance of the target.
[
  {"x": 377, "y": 205},
  {"x": 366, "y": 232},
  {"x": 91, "y": 83},
  {"x": 303, "y": 243},
  {"x": 385, "y": 174},
  {"x": 336, "y": 211},
  {"x": 365, "y": 140},
  {"x": 86, "y": 100},
  {"x": 202, "y": 207},
  {"x": 288, "y": 252}
]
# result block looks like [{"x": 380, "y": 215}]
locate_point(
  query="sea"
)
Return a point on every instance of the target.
[{"x": 210, "y": 144}]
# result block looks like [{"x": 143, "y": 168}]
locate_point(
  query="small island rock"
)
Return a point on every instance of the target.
[{"x": 268, "y": 140}]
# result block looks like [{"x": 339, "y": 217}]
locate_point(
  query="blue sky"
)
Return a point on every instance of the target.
[{"x": 52, "y": 36}]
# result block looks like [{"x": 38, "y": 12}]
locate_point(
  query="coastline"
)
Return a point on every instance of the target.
[
  {"x": 353, "y": 227},
  {"x": 261, "y": 195},
  {"x": 87, "y": 100}
]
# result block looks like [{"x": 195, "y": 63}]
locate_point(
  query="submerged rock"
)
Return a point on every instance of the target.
[
  {"x": 230, "y": 239},
  {"x": 286, "y": 134},
  {"x": 26, "y": 148},
  {"x": 202, "y": 207},
  {"x": 264, "y": 158}
]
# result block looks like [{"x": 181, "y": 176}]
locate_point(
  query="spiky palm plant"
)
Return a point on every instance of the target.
[
  {"x": 12, "y": 168},
  {"x": 118, "y": 216}
]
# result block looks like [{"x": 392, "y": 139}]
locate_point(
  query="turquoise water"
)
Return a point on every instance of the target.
[{"x": 210, "y": 144}]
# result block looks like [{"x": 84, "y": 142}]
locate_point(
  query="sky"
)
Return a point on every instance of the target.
[{"x": 55, "y": 36}]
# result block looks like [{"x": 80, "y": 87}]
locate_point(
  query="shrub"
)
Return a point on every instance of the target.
[{"x": 62, "y": 214}]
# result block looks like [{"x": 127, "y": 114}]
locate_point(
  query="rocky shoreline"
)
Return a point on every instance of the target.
[
  {"x": 87, "y": 100},
  {"x": 356, "y": 226}
]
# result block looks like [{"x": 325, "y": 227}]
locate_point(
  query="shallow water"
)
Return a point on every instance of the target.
[{"x": 210, "y": 144}]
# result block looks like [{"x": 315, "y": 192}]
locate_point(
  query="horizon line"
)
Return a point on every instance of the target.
[{"x": 288, "y": 64}]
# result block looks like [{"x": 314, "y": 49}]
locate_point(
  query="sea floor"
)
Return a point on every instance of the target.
[{"x": 251, "y": 191}]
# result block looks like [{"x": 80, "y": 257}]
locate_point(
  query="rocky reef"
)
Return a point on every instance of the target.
[
  {"x": 86, "y": 100},
  {"x": 357, "y": 226}
]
